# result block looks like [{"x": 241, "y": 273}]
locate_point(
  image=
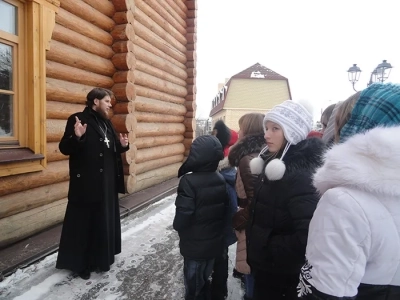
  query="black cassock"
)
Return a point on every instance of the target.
[{"x": 91, "y": 234}]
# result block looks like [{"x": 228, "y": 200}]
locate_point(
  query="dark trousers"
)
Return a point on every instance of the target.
[
  {"x": 219, "y": 287},
  {"x": 196, "y": 274},
  {"x": 269, "y": 286}
]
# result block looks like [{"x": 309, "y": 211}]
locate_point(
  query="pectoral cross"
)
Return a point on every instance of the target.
[{"x": 107, "y": 141}]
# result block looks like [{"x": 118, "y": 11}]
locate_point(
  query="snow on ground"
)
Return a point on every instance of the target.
[{"x": 149, "y": 267}]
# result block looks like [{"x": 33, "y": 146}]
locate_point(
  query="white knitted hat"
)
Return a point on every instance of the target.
[{"x": 296, "y": 122}]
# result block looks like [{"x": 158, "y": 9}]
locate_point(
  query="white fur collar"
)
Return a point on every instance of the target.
[{"x": 369, "y": 161}]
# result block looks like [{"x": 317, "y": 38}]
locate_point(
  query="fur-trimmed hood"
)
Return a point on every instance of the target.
[
  {"x": 369, "y": 161},
  {"x": 245, "y": 146}
]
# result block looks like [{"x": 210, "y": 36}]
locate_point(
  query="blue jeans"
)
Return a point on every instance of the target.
[
  {"x": 196, "y": 274},
  {"x": 249, "y": 285}
]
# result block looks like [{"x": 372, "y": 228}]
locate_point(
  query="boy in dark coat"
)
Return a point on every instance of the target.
[{"x": 201, "y": 205}]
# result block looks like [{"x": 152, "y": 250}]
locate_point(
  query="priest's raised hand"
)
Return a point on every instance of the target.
[
  {"x": 79, "y": 128},
  {"x": 123, "y": 138}
]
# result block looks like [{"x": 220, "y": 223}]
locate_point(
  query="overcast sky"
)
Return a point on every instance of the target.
[{"x": 311, "y": 42}]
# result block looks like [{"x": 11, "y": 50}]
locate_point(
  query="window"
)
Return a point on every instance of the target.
[
  {"x": 25, "y": 30},
  {"x": 9, "y": 42}
]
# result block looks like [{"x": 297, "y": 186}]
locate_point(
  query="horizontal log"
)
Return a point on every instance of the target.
[
  {"x": 157, "y": 163},
  {"x": 150, "y": 93},
  {"x": 130, "y": 182},
  {"x": 191, "y": 29},
  {"x": 88, "y": 13},
  {"x": 104, "y": 6},
  {"x": 53, "y": 173},
  {"x": 151, "y": 37},
  {"x": 124, "y": 91},
  {"x": 124, "y": 61},
  {"x": 148, "y": 69},
  {"x": 158, "y": 129},
  {"x": 191, "y": 89},
  {"x": 124, "y": 17},
  {"x": 157, "y": 7},
  {"x": 190, "y": 114},
  {"x": 187, "y": 142},
  {"x": 191, "y": 55},
  {"x": 64, "y": 91},
  {"x": 191, "y": 22},
  {"x": 155, "y": 83},
  {"x": 132, "y": 137},
  {"x": 123, "y": 46},
  {"x": 192, "y": 13},
  {"x": 158, "y": 152},
  {"x": 182, "y": 5},
  {"x": 124, "y": 107},
  {"x": 156, "y": 106},
  {"x": 153, "y": 141},
  {"x": 124, "y": 123},
  {"x": 190, "y": 105},
  {"x": 80, "y": 59},
  {"x": 190, "y": 124},
  {"x": 172, "y": 40},
  {"x": 191, "y": 37},
  {"x": 191, "y": 72},
  {"x": 122, "y": 32},
  {"x": 191, "y": 80},
  {"x": 22, "y": 225},
  {"x": 191, "y": 4},
  {"x": 189, "y": 134},
  {"x": 123, "y": 5},
  {"x": 130, "y": 155},
  {"x": 130, "y": 169},
  {"x": 53, "y": 153},
  {"x": 152, "y": 177},
  {"x": 148, "y": 117},
  {"x": 180, "y": 18},
  {"x": 26, "y": 200},
  {"x": 61, "y": 110},
  {"x": 77, "y": 40},
  {"x": 83, "y": 27},
  {"x": 180, "y": 12},
  {"x": 138, "y": 41},
  {"x": 190, "y": 98},
  {"x": 160, "y": 63},
  {"x": 63, "y": 72},
  {"x": 191, "y": 64},
  {"x": 55, "y": 130},
  {"x": 124, "y": 76},
  {"x": 160, "y": 21},
  {"x": 191, "y": 47}
]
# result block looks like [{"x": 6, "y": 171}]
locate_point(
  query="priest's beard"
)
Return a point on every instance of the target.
[{"x": 103, "y": 112}]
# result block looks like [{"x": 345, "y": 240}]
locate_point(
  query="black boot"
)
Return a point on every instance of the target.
[{"x": 85, "y": 274}]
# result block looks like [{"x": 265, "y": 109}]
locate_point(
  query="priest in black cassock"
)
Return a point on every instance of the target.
[{"x": 91, "y": 234}]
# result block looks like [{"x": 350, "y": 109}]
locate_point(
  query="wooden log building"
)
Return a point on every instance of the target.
[{"x": 52, "y": 53}]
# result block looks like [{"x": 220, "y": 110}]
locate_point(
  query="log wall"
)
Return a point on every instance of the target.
[
  {"x": 80, "y": 58},
  {"x": 144, "y": 51}
]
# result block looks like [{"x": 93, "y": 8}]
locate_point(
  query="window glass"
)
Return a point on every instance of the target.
[{"x": 8, "y": 17}]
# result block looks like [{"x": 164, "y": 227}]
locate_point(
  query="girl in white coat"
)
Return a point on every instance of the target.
[{"x": 353, "y": 248}]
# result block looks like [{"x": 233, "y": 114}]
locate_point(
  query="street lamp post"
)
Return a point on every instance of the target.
[{"x": 379, "y": 74}]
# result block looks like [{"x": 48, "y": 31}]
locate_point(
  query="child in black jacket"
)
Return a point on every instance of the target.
[{"x": 201, "y": 205}]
